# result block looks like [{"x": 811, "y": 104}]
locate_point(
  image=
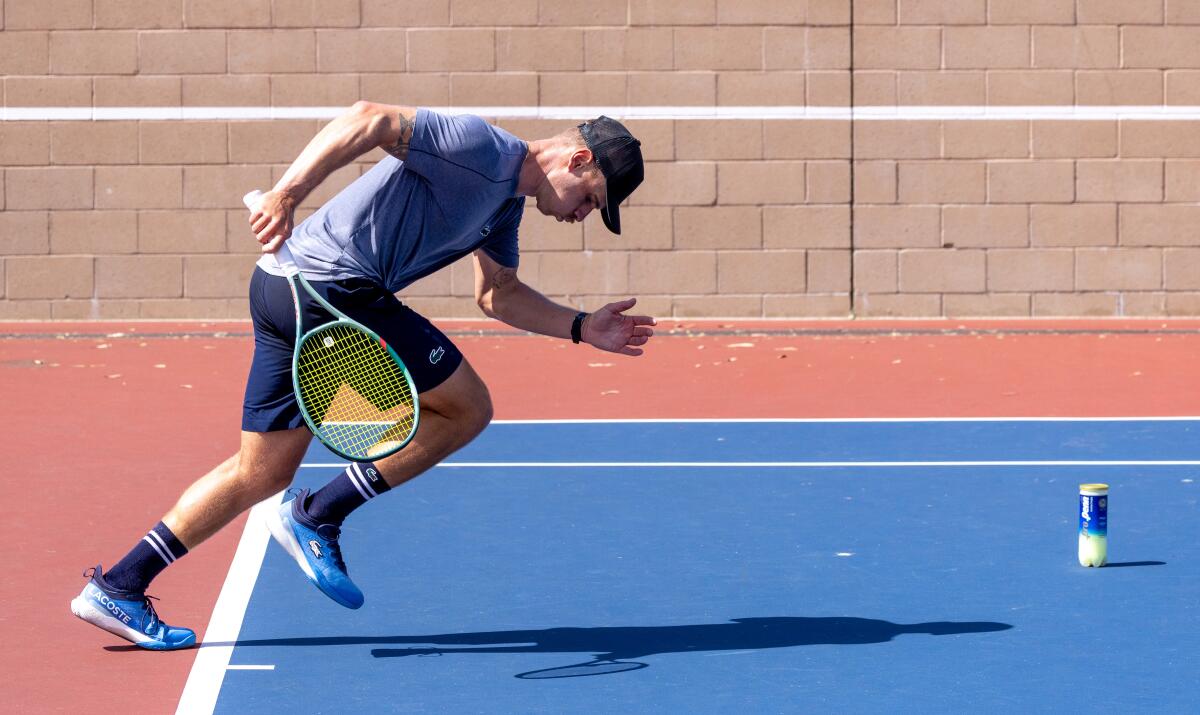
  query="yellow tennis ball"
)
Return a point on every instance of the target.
[
  {"x": 382, "y": 447},
  {"x": 1093, "y": 550}
]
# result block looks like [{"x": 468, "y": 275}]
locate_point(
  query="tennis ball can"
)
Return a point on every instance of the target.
[{"x": 1093, "y": 524}]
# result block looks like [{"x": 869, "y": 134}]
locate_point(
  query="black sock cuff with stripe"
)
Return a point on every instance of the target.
[
  {"x": 370, "y": 477},
  {"x": 158, "y": 549},
  {"x": 357, "y": 485},
  {"x": 162, "y": 537}
]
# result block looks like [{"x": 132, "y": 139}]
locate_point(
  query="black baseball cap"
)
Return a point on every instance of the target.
[{"x": 619, "y": 157}]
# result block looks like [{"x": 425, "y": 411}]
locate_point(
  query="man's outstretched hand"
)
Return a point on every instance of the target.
[{"x": 610, "y": 329}]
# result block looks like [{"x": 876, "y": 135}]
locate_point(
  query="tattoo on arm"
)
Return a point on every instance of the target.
[
  {"x": 400, "y": 148},
  {"x": 504, "y": 278}
]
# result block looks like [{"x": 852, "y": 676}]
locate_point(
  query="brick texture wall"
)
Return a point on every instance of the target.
[{"x": 815, "y": 216}]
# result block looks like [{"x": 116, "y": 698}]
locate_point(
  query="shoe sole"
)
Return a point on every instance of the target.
[
  {"x": 86, "y": 611},
  {"x": 282, "y": 533}
]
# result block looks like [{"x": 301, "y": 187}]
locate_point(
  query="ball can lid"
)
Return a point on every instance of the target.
[{"x": 1093, "y": 490}]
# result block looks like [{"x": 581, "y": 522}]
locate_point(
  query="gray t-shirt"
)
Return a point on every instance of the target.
[{"x": 403, "y": 220}]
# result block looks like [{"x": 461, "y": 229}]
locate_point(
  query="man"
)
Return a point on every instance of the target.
[{"x": 452, "y": 186}]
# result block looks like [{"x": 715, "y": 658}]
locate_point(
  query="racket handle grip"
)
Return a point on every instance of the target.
[{"x": 283, "y": 254}]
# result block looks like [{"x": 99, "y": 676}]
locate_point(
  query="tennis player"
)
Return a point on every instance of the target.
[{"x": 452, "y": 186}]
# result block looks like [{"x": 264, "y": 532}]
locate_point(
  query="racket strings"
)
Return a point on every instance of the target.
[{"x": 354, "y": 392}]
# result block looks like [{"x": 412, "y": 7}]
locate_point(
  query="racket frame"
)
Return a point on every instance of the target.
[{"x": 283, "y": 259}]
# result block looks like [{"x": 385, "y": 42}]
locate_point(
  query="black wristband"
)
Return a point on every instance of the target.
[{"x": 577, "y": 327}]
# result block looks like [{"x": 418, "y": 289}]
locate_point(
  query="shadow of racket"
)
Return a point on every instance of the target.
[{"x": 582, "y": 670}]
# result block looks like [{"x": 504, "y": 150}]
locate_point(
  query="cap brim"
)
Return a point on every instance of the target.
[{"x": 612, "y": 218}]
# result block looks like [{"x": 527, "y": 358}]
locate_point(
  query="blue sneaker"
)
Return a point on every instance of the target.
[
  {"x": 315, "y": 548},
  {"x": 128, "y": 615}
]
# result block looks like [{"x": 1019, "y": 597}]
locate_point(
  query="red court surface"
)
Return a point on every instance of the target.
[{"x": 108, "y": 425}]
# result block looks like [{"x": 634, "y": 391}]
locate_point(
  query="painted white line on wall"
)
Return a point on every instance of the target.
[
  {"x": 208, "y": 671},
  {"x": 881, "y": 113}
]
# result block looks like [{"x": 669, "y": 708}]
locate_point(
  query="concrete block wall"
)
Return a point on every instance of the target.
[{"x": 949, "y": 192}]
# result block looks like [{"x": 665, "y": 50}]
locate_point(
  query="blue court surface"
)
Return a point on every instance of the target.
[{"x": 753, "y": 566}]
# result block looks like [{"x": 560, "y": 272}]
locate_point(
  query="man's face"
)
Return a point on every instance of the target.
[{"x": 573, "y": 189}]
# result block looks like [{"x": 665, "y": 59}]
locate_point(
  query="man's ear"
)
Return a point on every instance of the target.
[{"x": 581, "y": 157}]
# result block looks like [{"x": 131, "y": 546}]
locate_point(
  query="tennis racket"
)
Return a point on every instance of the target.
[{"x": 354, "y": 391}]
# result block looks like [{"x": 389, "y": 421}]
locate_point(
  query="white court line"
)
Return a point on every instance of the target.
[
  {"x": 249, "y": 667},
  {"x": 808, "y": 420},
  {"x": 819, "y": 464},
  {"x": 822, "y": 420},
  {"x": 841, "y": 420},
  {"x": 803, "y": 465},
  {"x": 791, "y": 112},
  {"x": 208, "y": 671}
]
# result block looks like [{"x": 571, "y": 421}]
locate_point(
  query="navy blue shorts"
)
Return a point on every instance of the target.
[{"x": 270, "y": 403}]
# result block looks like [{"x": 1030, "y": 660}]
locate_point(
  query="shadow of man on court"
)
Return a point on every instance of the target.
[{"x": 614, "y": 647}]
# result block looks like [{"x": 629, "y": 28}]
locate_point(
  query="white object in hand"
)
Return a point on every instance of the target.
[{"x": 283, "y": 254}]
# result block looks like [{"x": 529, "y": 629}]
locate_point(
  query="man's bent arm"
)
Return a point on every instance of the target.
[
  {"x": 501, "y": 295},
  {"x": 365, "y": 126}
]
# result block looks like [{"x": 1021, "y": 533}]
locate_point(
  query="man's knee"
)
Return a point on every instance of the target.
[
  {"x": 463, "y": 399},
  {"x": 481, "y": 410},
  {"x": 474, "y": 410},
  {"x": 482, "y": 413},
  {"x": 260, "y": 478},
  {"x": 267, "y": 461}
]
